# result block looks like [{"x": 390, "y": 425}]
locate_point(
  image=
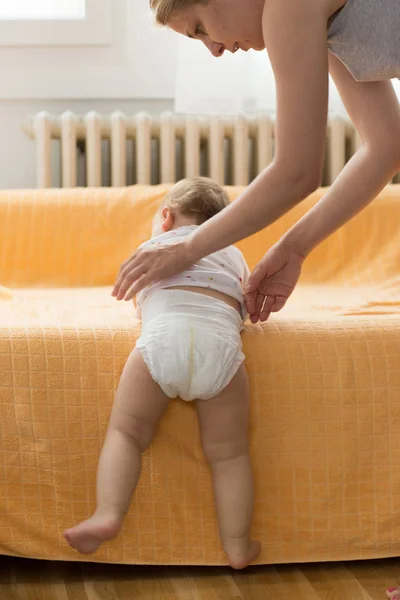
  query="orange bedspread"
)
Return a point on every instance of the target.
[{"x": 325, "y": 389}]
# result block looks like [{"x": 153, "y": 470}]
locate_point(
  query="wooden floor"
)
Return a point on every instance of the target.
[{"x": 33, "y": 580}]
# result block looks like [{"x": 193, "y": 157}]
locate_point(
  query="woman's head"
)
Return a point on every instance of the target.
[
  {"x": 220, "y": 24},
  {"x": 192, "y": 201},
  {"x": 165, "y": 9}
]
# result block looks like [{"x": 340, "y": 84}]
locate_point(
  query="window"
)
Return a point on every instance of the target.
[
  {"x": 55, "y": 22},
  {"x": 24, "y": 10}
]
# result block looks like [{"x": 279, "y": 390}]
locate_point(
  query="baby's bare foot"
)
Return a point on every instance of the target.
[
  {"x": 90, "y": 534},
  {"x": 242, "y": 552}
]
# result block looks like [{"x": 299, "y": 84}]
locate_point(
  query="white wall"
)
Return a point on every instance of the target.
[{"x": 138, "y": 64}]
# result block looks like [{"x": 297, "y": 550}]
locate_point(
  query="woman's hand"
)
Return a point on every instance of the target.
[
  {"x": 148, "y": 265},
  {"x": 272, "y": 281}
]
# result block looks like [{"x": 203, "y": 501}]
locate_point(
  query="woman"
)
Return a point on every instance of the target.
[{"x": 358, "y": 42}]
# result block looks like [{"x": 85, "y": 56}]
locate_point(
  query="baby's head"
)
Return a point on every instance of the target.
[{"x": 192, "y": 201}]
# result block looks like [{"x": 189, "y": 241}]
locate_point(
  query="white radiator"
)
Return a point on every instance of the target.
[{"x": 118, "y": 150}]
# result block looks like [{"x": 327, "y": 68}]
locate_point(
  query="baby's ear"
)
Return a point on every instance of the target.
[{"x": 168, "y": 219}]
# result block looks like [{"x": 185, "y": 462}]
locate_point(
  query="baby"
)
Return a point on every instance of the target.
[{"x": 190, "y": 346}]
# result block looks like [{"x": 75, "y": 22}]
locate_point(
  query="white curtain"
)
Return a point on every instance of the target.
[{"x": 234, "y": 83}]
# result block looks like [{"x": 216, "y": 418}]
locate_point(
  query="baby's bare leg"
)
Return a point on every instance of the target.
[
  {"x": 224, "y": 423},
  {"x": 138, "y": 407}
]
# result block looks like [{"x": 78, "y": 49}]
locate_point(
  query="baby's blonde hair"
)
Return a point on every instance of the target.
[
  {"x": 198, "y": 197},
  {"x": 164, "y": 9}
]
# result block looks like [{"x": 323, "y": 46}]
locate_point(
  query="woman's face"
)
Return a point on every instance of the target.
[{"x": 223, "y": 25}]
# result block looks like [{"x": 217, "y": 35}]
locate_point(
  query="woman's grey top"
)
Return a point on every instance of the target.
[{"x": 365, "y": 36}]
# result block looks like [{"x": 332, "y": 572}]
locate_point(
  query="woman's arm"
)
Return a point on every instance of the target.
[
  {"x": 296, "y": 40},
  {"x": 375, "y": 111}
]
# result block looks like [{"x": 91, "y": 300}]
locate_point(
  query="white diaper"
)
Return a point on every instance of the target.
[{"x": 190, "y": 343}]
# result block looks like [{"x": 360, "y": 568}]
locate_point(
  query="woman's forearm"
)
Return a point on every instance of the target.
[
  {"x": 359, "y": 183},
  {"x": 267, "y": 198}
]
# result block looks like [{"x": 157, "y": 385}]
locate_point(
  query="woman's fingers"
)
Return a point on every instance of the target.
[
  {"x": 130, "y": 277},
  {"x": 123, "y": 271},
  {"x": 135, "y": 273},
  {"x": 279, "y": 303},
  {"x": 272, "y": 304},
  {"x": 132, "y": 284},
  {"x": 138, "y": 286},
  {"x": 267, "y": 308},
  {"x": 265, "y": 305},
  {"x": 250, "y": 301},
  {"x": 259, "y": 303},
  {"x": 253, "y": 305},
  {"x": 148, "y": 265},
  {"x": 124, "y": 268},
  {"x": 129, "y": 280},
  {"x": 254, "y": 300},
  {"x": 259, "y": 273}
]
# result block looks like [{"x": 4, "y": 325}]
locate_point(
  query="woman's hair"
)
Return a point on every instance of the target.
[
  {"x": 163, "y": 9},
  {"x": 198, "y": 197}
]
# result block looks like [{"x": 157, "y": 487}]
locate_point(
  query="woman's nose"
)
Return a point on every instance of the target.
[{"x": 217, "y": 49}]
